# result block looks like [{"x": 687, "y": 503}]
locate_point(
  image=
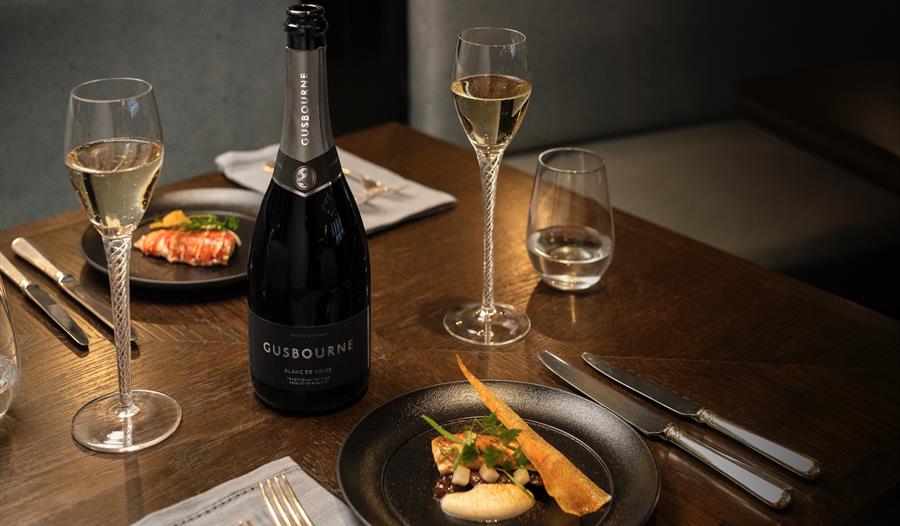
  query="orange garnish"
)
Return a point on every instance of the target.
[{"x": 573, "y": 491}]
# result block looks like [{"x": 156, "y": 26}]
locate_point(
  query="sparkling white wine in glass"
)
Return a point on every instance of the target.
[
  {"x": 490, "y": 86},
  {"x": 114, "y": 152},
  {"x": 490, "y": 107},
  {"x": 115, "y": 179}
]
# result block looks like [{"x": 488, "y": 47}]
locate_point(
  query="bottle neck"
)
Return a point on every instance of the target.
[{"x": 306, "y": 129}]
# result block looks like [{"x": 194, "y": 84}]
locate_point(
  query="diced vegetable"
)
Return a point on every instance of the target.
[
  {"x": 461, "y": 476},
  {"x": 521, "y": 476},
  {"x": 488, "y": 474}
]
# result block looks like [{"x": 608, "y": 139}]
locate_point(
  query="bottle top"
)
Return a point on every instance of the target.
[{"x": 306, "y": 26}]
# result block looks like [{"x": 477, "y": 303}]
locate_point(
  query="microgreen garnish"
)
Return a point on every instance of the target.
[
  {"x": 446, "y": 434},
  {"x": 492, "y": 456},
  {"x": 469, "y": 451},
  {"x": 491, "y": 426},
  {"x": 210, "y": 222},
  {"x": 521, "y": 460}
]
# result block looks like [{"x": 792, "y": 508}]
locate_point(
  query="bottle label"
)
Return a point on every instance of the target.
[
  {"x": 306, "y": 128},
  {"x": 309, "y": 358},
  {"x": 306, "y": 178}
]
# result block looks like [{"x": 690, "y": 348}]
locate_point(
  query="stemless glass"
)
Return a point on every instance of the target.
[
  {"x": 9, "y": 357},
  {"x": 114, "y": 152},
  {"x": 491, "y": 85},
  {"x": 570, "y": 233}
]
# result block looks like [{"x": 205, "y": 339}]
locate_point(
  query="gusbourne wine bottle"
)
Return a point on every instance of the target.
[{"x": 309, "y": 281}]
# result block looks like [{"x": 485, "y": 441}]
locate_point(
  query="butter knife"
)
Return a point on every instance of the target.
[
  {"x": 795, "y": 462},
  {"x": 99, "y": 307},
  {"x": 45, "y": 302},
  {"x": 767, "y": 489}
]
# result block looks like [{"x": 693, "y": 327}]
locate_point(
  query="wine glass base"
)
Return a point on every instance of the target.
[
  {"x": 99, "y": 426},
  {"x": 469, "y": 324}
]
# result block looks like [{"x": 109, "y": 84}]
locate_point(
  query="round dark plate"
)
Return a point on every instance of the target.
[
  {"x": 158, "y": 273},
  {"x": 386, "y": 471}
]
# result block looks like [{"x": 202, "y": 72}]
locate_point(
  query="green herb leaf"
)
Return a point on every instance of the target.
[
  {"x": 469, "y": 451},
  {"x": 492, "y": 456},
  {"x": 446, "y": 434},
  {"x": 491, "y": 425},
  {"x": 521, "y": 460},
  {"x": 210, "y": 222}
]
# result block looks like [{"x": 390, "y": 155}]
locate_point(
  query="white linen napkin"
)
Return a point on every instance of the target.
[
  {"x": 411, "y": 200},
  {"x": 239, "y": 500}
]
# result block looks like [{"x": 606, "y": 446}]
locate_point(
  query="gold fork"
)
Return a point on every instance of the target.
[{"x": 282, "y": 503}]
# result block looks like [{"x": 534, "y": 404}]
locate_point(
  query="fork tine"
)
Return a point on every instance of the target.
[
  {"x": 278, "y": 503},
  {"x": 296, "y": 502},
  {"x": 282, "y": 496},
  {"x": 265, "y": 496}
]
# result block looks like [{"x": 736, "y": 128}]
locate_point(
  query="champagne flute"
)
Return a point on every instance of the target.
[
  {"x": 491, "y": 85},
  {"x": 114, "y": 152}
]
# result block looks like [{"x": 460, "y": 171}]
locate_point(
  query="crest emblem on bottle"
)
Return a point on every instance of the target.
[{"x": 305, "y": 177}]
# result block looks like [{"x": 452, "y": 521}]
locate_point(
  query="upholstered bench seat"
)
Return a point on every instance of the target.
[{"x": 739, "y": 188}]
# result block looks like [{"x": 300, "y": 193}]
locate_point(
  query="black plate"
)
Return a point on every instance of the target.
[
  {"x": 386, "y": 471},
  {"x": 157, "y": 272}
]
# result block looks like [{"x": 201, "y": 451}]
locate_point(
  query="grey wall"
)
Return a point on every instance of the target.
[
  {"x": 216, "y": 66},
  {"x": 605, "y": 67}
]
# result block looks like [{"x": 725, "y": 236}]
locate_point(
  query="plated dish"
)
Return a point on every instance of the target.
[
  {"x": 392, "y": 470},
  {"x": 200, "y": 248}
]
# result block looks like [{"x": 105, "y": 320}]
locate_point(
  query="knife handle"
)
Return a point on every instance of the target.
[
  {"x": 792, "y": 460},
  {"x": 13, "y": 273},
  {"x": 30, "y": 253},
  {"x": 774, "y": 493}
]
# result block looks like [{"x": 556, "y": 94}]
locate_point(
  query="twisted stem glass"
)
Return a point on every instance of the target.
[
  {"x": 491, "y": 86},
  {"x": 114, "y": 152}
]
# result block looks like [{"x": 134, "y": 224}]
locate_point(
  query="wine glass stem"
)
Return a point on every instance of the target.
[
  {"x": 118, "y": 258},
  {"x": 489, "y": 162}
]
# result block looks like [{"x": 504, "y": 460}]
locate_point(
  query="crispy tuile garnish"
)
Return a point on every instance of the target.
[{"x": 573, "y": 491}]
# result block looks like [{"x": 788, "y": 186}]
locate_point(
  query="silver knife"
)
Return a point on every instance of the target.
[
  {"x": 99, "y": 307},
  {"x": 792, "y": 460},
  {"x": 767, "y": 489},
  {"x": 45, "y": 302}
]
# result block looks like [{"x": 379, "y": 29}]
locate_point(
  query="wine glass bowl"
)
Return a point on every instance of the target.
[
  {"x": 490, "y": 86},
  {"x": 114, "y": 154}
]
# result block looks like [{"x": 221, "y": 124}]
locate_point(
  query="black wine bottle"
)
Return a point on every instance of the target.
[{"x": 309, "y": 282}]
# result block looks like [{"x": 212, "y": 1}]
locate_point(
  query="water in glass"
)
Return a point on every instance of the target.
[
  {"x": 570, "y": 235},
  {"x": 570, "y": 257}
]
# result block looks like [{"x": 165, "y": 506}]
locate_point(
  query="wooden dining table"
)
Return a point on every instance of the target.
[{"x": 797, "y": 364}]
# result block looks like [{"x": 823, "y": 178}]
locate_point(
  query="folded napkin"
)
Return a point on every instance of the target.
[
  {"x": 411, "y": 200},
  {"x": 239, "y": 500}
]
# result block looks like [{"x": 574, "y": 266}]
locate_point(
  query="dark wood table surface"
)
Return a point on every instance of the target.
[{"x": 797, "y": 364}]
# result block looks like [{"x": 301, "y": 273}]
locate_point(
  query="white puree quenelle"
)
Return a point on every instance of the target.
[{"x": 487, "y": 502}]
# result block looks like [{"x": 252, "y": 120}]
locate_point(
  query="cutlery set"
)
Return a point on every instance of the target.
[
  {"x": 96, "y": 305},
  {"x": 775, "y": 493}
]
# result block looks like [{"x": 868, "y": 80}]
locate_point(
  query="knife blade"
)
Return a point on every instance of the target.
[
  {"x": 45, "y": 302},
  {"x": 794, "y": 461},
  {"x": 99, "y": 307},
  {"x": 769, "y": 490}
]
